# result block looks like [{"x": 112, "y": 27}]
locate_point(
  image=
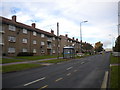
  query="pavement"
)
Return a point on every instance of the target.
[
  {"x": 86, "y": 72},
  {"x": 26, "y": 61}
]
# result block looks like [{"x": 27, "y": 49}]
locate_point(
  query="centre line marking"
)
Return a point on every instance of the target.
[
  {"x": 75, "y": 70},
  {"x": 69, "y": 68},
  {"x": 68, "y": 74},
  {"x": 82, "y": 62},
  {"x": 58, "y": 79},
  {"x": 44, "y": 86},
  {"x": 34, "y": 81}
]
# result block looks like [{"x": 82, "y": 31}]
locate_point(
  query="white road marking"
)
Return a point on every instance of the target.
[
  {"x": 44, "y": 86},
  {"x": 104, "y": 83},
  {"x": 69, "y": 68},
  {"x": 82, "y": 62},
  {"x": 68, "y": 74},
  {"x": 75, "y": 70},
  {"x": 34, "y": 81},
  {"x": 58, "y": 79}
]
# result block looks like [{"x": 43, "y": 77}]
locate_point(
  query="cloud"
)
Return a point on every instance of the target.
[{"x": 101, "y": 16}]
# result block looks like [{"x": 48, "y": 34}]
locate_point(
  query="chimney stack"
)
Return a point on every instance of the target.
[
  {"x": 66, "y": 35},
  {"x": 14, "y": 18},
  {"x": 73, "y": 38},
  {"x": 52, "y": 31},
  {"x": 33, "y": 25},
  {"x": 77, "y": 39}
]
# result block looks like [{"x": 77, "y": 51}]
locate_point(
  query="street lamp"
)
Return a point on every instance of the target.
[
  {"x": 112, "y": 40},
  {"x": 81, "y": 34}
]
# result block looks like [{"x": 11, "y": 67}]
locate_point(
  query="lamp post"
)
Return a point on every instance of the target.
[
  {"x": 112, "y": 41},
  {"x": 81, "y": 34}
]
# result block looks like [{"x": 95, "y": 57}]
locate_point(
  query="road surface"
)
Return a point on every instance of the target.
[{"x": 86, "y": 72}]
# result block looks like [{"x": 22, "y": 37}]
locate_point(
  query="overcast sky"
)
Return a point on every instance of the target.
[{"x": 102, "y": 17}]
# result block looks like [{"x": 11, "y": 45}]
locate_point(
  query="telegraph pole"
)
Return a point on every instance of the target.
[{"x": 57, "y": 40}]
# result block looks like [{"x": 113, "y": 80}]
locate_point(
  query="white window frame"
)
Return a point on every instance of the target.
[
  {"x": 1, "y": 29},
  {"x": 24, "y": 40},
  {"x": 34, "y": 51},
  {"x": 53, "y": 38},
  {"x": 34, "y": 42},
  {"x": 25, "y": 31},
  {"x": 12, "y": 28},
  {"x": 34, "y": 33},
  {"x": 42, "y": 43},
  {"x": 53, "y": 51},
  {"x": 11, "y": 38},
  {"x": 11, "y": 50},
  {"x": 42, "y": 35},
  {"x": 24, "y": 50}
]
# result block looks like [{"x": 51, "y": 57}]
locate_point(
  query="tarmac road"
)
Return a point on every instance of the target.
[{"x": 86, "y": 72}]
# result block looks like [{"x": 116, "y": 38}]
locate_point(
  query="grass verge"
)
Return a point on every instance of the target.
[
  {"x": 54, "y": 61},
  {"x": 18, "y": 67},
  {"x": 114, "y": 79},
  {"x": 114, "y": 60},
  {"x": 6, "y": 60}
]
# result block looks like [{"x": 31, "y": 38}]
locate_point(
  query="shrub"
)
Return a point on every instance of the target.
[{"x": 25, "y": 54}]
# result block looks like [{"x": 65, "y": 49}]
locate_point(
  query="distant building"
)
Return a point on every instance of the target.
[{"x": 66, "y": 41}]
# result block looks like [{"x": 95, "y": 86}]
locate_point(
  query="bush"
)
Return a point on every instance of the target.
[
  {"x": 25, "y": 54},
  {"x": 4, "y": 54}
]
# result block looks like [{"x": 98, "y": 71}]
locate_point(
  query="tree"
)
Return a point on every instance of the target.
[
  {"x": 98, "y": 46},
  {"x": 117, "y": 45}
]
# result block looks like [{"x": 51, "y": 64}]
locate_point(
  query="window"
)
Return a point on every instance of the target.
[
  {"x": 68, "y": 41},
  {"x": 53, "y": 51},
  {"x": 1, "y": 29},
  {"x": 34, "y": 51},
  {"x": 12, "y": 28},
  {"x": 43, "y": 51},
  {"x": 11, "y": 50},
  {"x": 53, "y": 38},
  {"x": 24, "y": 40},
  {"x": 1, "y": 39},
  {"x": 11, "y": 38},
  {"x": 25, "y": 31},
  {"x": 42, "y": 35},
  {"x": 42, "y": 43},
  {"x": 34, "y": 42},
  {"x": 34, "y": 33},
  {"x": 53, "y": 44},
  {"x": 24, "y": 50}
]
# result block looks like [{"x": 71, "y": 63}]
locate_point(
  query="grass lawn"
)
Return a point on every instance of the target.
[
  {"x": 114, "y": 60},
  {"x": 114, "y": 78},
  {"x": 6, "y": 60},
  {"x": 35, "y": 57},
  {"x": 54, "y": 61},
  {"x": 18, "y": 67}
]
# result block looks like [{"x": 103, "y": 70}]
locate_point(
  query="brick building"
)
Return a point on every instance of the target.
[
  {"x": 18, "y": 37},
  {"x": 66, "y": 41}
]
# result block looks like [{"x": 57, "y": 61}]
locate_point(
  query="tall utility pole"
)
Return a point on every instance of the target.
[
  {"x": 57, "y": 40},
  {"x": 81, "y": 35}
]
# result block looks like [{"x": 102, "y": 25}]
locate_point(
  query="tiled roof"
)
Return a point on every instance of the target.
[{"x": 21, "y": 25}]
